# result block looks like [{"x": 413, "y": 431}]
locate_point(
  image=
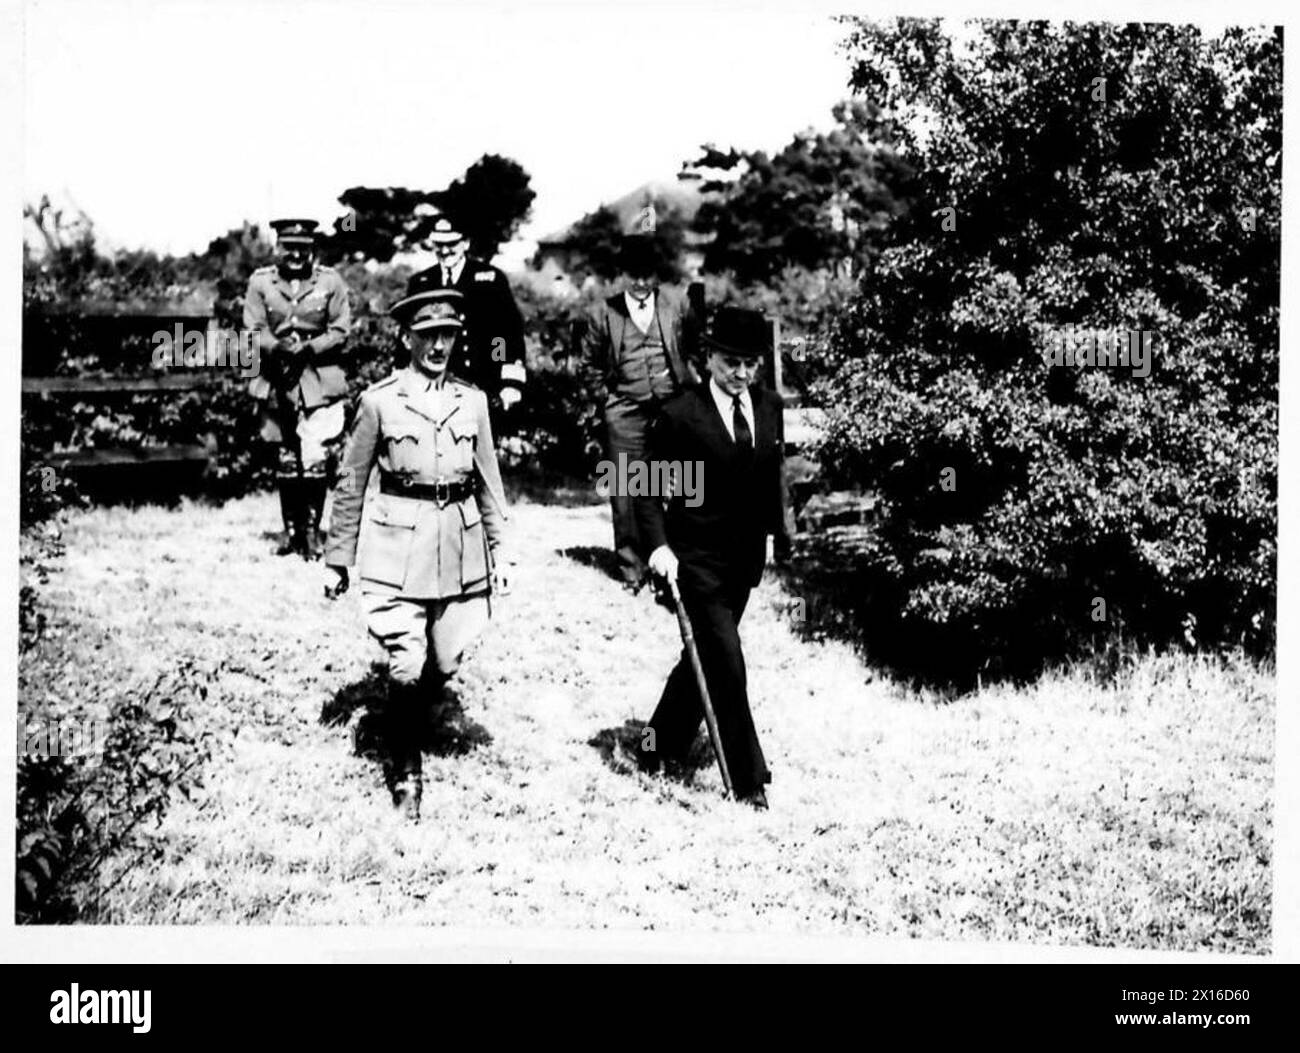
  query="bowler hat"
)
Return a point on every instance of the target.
[
  {"x": 637, "y": 256},
  {"x": 738, "y": 331},
  {"x": 433, "y": 309}
]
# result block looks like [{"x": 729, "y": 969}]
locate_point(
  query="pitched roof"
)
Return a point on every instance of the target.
[{"x": 682, "y": 195}]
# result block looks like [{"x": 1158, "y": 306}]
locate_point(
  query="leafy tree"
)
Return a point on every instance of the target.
[
  {"x": 380, "y": 223},
  {"x": 594, "y": 243},
  {"x": 1096, "y": 176},
  {"x": 489, "y": 202},
  {"x": 819, "y": 203},
  {"x": 228, "y": 263}
]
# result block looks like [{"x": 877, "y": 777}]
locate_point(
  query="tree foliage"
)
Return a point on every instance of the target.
[
  {"x": 818, "y": 203},
  {"x": 593, "y": 244},
  {"x": 1098, "y": 176},
  {"x": 488, "y": 202}
]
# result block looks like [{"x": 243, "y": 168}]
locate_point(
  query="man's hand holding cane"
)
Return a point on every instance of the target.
[{"x": 664, "y": 563}]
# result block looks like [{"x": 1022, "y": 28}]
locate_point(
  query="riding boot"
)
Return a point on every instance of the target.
[
  {"x": 315, "y": 488},
  {"x": 289, "y": 498},
  {"x": 404, "y": 724}
]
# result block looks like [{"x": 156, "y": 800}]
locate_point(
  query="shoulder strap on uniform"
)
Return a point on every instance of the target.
[{"x": 388, "y": 381}]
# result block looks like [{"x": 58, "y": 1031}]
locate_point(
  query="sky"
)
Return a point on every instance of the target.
[{"x": 171, "y": 123}]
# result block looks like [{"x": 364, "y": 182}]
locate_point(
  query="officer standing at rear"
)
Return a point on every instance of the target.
[
  {"x": 491, "y": 353},
  {"x": 431, "y": 537},
  {"x": 299, "y": 309}
]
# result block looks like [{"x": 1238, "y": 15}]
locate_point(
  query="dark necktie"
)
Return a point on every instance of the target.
[
  {"x": 740, "y": 426},
  {"x": 446, "y": 277}
]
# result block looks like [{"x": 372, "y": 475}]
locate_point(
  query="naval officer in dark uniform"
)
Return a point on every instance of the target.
[
  {"x": 299, "y": 309},
  {"x": 716, "y": 550},
  {"x": 491, "y": 350},
  {"x": 431, "y": 538}
]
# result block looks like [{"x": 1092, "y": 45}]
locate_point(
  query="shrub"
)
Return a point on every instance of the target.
[
  {"x": 83, "y": 820},
  {"x": 1015, "y": 495}
]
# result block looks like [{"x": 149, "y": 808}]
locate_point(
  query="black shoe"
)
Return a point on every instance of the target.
[
  {"x": 647, "y": 761},
  {"x": 756, "y": 799}
]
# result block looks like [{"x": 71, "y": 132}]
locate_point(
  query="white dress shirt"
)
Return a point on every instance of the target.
[
  {"x": 451, "y": 275},
  {"x": 643, "y": 316},
  {"x": 724, "y": 403}
]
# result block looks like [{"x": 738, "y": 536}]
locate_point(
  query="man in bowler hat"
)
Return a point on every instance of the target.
[{"x": 715, "y": 548}]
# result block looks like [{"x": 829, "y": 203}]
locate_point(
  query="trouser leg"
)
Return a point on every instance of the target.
[
  {"x": 401, "y": 626},
  {"x": 318, "y": 432},
  {"x": 626, "y": 425},
  {"x": 715, "y": 617},
  {"x": 456, "y": 623},
  {"x": 292, "y": 488}
]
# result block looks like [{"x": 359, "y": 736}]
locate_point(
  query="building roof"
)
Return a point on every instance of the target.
[{"x": 682, "y": 195}]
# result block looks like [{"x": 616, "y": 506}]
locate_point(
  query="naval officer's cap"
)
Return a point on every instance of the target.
[{"x": 445, "y": 231}]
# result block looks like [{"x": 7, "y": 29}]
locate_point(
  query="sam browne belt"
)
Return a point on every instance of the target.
[{"x": 444, "y": 491}]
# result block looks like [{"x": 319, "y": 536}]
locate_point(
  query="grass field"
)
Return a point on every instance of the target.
[{"x": 1135, "y": 814}]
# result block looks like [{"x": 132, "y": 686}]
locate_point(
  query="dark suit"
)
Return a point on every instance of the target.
[
  {"x": 632, "y": 404},
  {"x": 491, "y": 353},
  {"x": 721, "y": 548}
]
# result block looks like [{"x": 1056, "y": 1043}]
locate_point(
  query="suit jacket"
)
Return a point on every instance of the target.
[
  {"x": 610, "y": 325},
  {"x": 410, "y": 546},
  {"x": 491, "y": 315},
  {"x": 318, "y": 312},
  {"x": 741, "y": 491}
]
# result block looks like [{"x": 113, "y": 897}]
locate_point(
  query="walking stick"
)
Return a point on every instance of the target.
[{"x": 710, "y": 718}]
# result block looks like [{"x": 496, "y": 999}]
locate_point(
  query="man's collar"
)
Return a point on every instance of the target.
[
  {"x": 420, "y": 382},
  {"x": 723, "y": 399}
]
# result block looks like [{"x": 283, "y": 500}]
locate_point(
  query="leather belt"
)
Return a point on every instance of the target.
[{"x": 444, "y": 491}]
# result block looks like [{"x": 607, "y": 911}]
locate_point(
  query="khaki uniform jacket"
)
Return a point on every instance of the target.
[
  {"x": 318, "y": 311},
  {"x": 410, "y": 546}
]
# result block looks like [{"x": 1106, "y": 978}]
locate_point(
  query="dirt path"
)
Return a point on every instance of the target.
[{"x": 982, "y": 819}]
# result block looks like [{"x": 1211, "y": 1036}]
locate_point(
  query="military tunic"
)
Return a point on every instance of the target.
[
  {"x": 302, "y": 396},
  {"x": 424, "y": 563}
]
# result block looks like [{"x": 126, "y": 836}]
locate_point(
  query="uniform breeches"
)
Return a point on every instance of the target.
[
  {"x": 314, "y": 432},
  {"x": 420, "y": 633},
  {"x": 714, "y": 610}
]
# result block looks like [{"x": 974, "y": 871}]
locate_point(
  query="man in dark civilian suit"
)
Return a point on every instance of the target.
[
  {"x": 716, "y": 545},
  {"x": 634, "y": 352}
]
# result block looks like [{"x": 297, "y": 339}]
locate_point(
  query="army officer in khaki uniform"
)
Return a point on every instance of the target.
[
  {"x": 299, "y": 310},
  {"x": 432, "y": 532}
]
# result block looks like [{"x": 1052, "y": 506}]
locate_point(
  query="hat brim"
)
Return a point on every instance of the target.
[
  {"x": 446, "y": 238},
  {"x": 426, "y": 324},
  {"x": 709, "y": 344}
]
